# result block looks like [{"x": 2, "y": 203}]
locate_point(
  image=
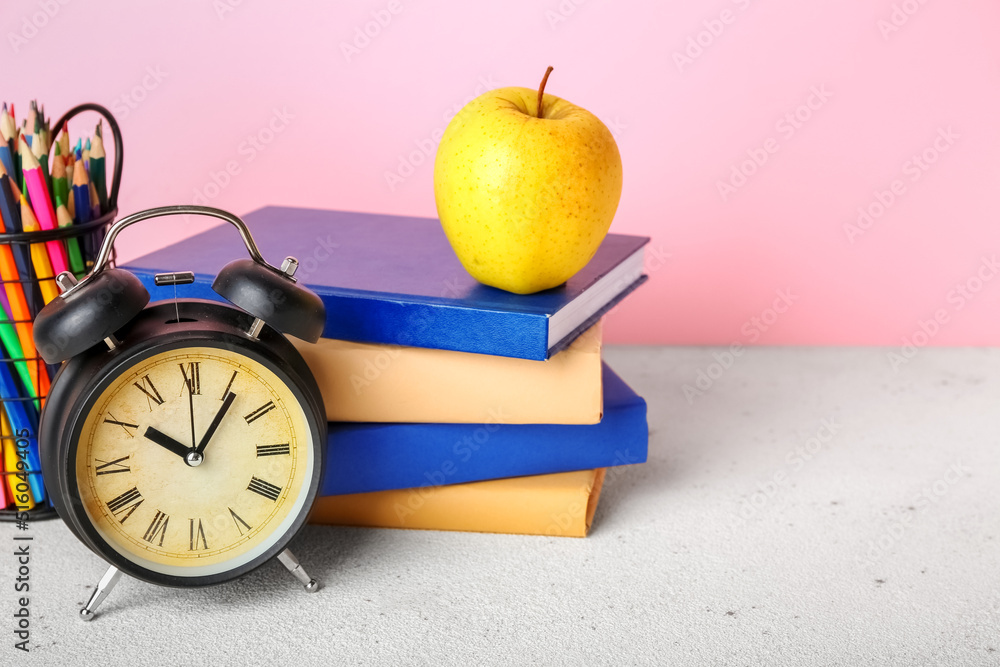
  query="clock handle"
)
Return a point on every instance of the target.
[
  {"x": 109, "y": 241},
  {"x": 69, "y": 325}
]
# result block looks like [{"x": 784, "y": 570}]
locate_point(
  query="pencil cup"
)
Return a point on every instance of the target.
[{"x": 28, "y": 284}]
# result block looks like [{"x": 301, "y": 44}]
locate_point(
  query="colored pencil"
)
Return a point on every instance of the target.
[
  {"x": 21, "y": 289},
  {"x": 6, "y": 498},
  {"x": 60, "y": 181},
  {"x": 5, "y": 158},
  {"x": 81, "y": 193},
  {"x": 21, "y": 319},
  {"x": 12, "y": 344},
  {"x": 4, "y": 301},
  {"x": 8, "y": 128},
  {"x": 95, "y": 202},
  {"x": 31, "y": 119},
  {"x": 10, "y": 459},
  {"x": 41, "y": 204},
  {"x": 10, "y": 217},
  {"x": 8, "y": 131},
  {"x": 23, "y": 427},
  {"x": 98, "y": 171},
  {"x": 70, "y": 198},
  {"x": 63, "y": 140},
  {"x": 39, "y": 256},
  {"x": 40, "y": 150},
  {"x": 72, "y": 244}
]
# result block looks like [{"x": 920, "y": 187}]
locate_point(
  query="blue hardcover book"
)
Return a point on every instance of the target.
[
  {"x": 376, "y": 457},
  {"x": 395, "y": 280}
]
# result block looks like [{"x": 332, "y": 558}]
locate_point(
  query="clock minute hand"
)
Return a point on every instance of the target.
[
  {"x": 226, "y": 404},
  {"x": 190, "y": 387},
  {"x": 165, "y": 441}
]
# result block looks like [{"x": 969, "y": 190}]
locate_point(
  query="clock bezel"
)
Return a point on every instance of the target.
[{"x": 166, "y": 327}]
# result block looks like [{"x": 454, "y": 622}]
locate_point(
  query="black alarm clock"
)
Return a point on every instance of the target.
[{"x": 182, "y": 441}]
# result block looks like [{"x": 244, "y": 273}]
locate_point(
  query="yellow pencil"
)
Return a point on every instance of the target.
[
  {"x": 39, "y": 257},
  {"x": 10, "y": 460}
]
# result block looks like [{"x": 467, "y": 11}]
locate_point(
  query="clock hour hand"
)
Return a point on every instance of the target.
[
  {"x": 165, "y": 441},
  {"x": 226, "y": 404}
]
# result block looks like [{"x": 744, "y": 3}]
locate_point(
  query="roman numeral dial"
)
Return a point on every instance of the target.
[{"x": 148, "y": 501}]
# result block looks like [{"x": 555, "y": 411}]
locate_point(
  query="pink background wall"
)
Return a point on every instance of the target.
[{"x": 191, "y": 82}]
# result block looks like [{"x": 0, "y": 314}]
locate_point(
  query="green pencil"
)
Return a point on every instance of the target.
[
  {"x": 63, "y": 219},
  {"x": 8, "y": 336},
  {"x": 98, "y": 175},
  {"x": 60, "y": 182}
]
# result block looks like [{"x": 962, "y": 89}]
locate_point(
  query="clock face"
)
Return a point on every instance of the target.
[{"x": 194, "y": 461}]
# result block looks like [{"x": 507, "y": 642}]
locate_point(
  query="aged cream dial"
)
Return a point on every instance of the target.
[{"x": 194, "y": 461}]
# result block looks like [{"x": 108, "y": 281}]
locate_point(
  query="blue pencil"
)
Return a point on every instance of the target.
[
  {"x": 6, "y": 157},
  {"x": 81, "y": 193},
  {"x": 23, "y": 425}
]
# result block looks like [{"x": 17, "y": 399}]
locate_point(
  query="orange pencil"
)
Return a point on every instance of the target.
[
  {"x": 64, "y": 139},
  {"x": 40, "y": 258},
  {"x": 20, "y": 312}
]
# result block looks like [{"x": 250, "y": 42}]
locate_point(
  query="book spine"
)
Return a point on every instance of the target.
[
  {"x": 438, "y": 326},
  {"x": 554, "y": 505},
  {"x": 377, "y": 457},
  {"x": 395, "y": 322},
  {"x": 367, "y": 382}
]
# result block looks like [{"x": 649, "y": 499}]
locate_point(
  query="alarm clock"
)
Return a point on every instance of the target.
[{"x": 182, "y": 441}]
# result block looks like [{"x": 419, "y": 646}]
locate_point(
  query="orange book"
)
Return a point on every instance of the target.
[
  {"x": 366, "y": 382},
  {"x": 561, "y": 504}
]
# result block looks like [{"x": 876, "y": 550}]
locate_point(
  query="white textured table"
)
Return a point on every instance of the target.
[{"x": 812, "y": 507}]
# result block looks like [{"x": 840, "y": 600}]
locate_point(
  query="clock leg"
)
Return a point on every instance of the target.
[
  {"x": 292, "y": 564},
  {"x": 107, "y": 582}
]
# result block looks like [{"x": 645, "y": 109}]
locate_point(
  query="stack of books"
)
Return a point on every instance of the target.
[{"x": 452, "y": 405}]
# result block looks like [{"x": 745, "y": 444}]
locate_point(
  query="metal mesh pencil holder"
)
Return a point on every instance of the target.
[{"x": 24, "y": 376}]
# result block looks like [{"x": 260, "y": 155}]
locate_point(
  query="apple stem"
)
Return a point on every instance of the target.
[{"x": 541, "y": 89}]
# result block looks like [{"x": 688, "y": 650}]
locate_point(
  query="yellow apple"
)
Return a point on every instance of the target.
[{"x": 526, "y": 196}]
